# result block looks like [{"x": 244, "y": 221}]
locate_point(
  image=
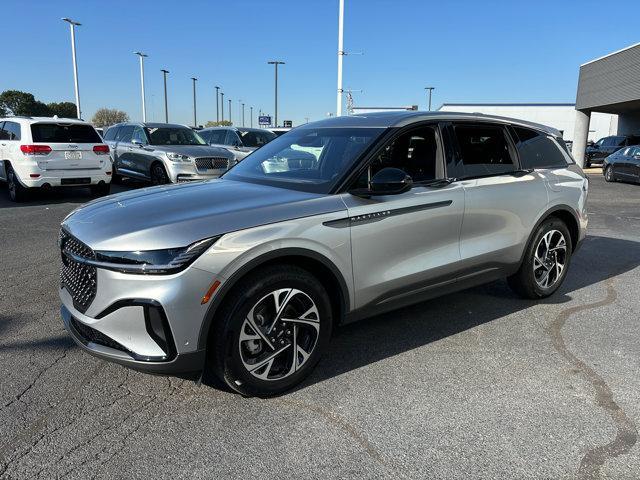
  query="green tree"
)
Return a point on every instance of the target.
[
  {"x": 222, "y": 123},
  {"x": 63, "y": 109},
  {"x": 15, "y": 102},
  {"x": 105, "y": 117}
]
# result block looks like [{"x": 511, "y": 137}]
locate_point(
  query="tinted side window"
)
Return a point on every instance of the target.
[
  {"x": 124, "y": 134},
  {"x": 483, "y": 149},
  {"x": 138, "y": 134},
  {"x": 232, "y": 138},
  {"x": 110, "y": 134},
  {"x": 537, "y": 150},
  {"x": 12, "y": 129},
  {"x": 4, "y": 135}
]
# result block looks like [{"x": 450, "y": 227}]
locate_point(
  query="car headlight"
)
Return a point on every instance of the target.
[
  {"x": 151, "y": 262},
  {"x": 177, "y": 157}
]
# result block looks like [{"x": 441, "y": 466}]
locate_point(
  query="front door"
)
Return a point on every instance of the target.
[{"x": 405, "y": 243}]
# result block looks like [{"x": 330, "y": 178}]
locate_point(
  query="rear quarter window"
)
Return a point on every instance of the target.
[
  {"x": 110, "y": 134},
  {"x": 64, "y": 133},
  {"x": 537, "y": 150}
]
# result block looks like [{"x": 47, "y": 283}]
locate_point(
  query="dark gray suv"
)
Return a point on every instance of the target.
[{"x": 164, "y": 153}]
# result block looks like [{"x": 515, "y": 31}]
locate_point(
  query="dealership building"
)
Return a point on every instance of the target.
[
  {"x": 561, "y": 116},
  {"x": 609, "y": 84}
]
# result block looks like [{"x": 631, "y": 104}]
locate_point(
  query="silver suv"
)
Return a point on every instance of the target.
[
  {"x": 334, "y": 221},
  {"x": 164, "y": 153},
  {"x": 239, "y": 141}
]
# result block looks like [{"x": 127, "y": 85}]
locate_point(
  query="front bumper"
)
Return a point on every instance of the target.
[
  {"x": 180, "y": 363},
  {"x": 187, "y": 172}
]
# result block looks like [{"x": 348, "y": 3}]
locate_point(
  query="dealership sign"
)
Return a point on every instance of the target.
[{"x": 264, "y": 120}]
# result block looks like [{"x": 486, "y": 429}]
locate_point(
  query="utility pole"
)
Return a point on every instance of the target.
[
  {"x": 144, "y": 108},
  {"x": 276, "y": 63},
  {"x": 195, "y": 121},
  {"x": 340, "y": 55},
  {"x": 222, "y": 104},
  {"x": 431, "y": 89},
  {"x": 166, "y": 108},
  {"x": 72, "y": 26},
  {"x": 217, "y": 108}
]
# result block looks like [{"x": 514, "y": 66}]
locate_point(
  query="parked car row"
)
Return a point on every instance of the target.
[
  {"x": 597, "y": 152},
  {"x": 623, "y": 165}
]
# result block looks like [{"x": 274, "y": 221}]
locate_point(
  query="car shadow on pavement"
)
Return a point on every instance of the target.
[{"x": 377, "y": 338}]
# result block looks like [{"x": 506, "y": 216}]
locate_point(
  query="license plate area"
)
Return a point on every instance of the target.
[
  {"x": 75, "y": 181},
  {"x": 72, "y": 155}
]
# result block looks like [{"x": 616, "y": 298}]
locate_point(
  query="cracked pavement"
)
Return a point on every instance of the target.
[{"x": 478, "y": 384}]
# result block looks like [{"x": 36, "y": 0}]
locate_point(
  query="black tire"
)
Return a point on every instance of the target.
[
  {"x": 115, "y": 176},
  {"x": 158, "y": 174},
  {"x": 100, "y": 190},
  {"x": 17, "y": 192},
  {"x": 525, "y": 281},
  {"x": 227, "y": 353},
  {"x": 587, "y": 164},
  {"x": 608, "y": 174}
]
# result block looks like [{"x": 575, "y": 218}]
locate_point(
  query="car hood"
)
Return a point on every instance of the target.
[
  {"x": 192, "y": 150},
  {"x": 178, "y": 215}
]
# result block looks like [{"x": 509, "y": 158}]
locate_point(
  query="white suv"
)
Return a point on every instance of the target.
[{"x": 52, "y": 152}]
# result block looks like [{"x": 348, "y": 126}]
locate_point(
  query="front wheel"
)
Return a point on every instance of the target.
[
  {"x": 158, "y": 174},
  {"x": 546, "y": 261},
  {"x": 100, "y": 189},
  {"x": 272, "y": 331},
  {"x": 608, "y": 174}
]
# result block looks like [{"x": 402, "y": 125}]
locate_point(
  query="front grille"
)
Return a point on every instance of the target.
[
  {"x": 212, "y": 163},
  {"x": 94, "y": 336},
  {"x": 80, "y": 280}
]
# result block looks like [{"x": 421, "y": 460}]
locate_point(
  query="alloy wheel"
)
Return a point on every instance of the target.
[
  {"x": 607, "y": 174},
  {"x": 158, "y": 175},
  {"x": 549, "y": 259},
  {"x": 279, "y": 334}
]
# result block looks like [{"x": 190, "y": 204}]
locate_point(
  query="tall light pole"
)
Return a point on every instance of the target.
[
  {"x": 195, "y": 121},
  {"x": 230, "y": 111},
  {"x": 251, "y": 117},
  {"x": 72, "y": 26},
  {"x": 217, "y": 107},
  {"x": 243, "y": 114},
  {"x": 276, "y": 63},
  {"x": 340, "y": 55},
  {"x": 239, "y": 111},
  {"x": 166, "y": 107},
  {"x": 222, "y": 104},
  {"x": 144, "y": 108},
  {"x": 431, "y": 89}
]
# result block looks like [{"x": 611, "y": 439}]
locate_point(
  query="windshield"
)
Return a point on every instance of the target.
[
  {"x": 255, "y": 138},
  {"x": 308, "y": 159},
  {"x": 173, "y": 136}
]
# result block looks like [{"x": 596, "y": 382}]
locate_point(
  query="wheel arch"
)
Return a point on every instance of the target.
[
  {"x": 314, "y": 262},
  {"x": 564, "y": 213}
]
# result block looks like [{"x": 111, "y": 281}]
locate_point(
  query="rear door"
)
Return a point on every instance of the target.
[
  {"x": 140, "y": 157},
  {"x": 632, "y": 163},
  {"x": 4, "y": 136},
  {"x": 71, "y": 145},
  {"x": 502, "y": 201},
  {"x": 123, "y": 153}
]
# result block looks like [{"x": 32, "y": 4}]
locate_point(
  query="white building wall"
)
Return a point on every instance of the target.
[{"x": 561, "y": 117}]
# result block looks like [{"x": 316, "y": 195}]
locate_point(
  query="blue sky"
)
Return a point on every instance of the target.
[{"x": 471, "y": 51}]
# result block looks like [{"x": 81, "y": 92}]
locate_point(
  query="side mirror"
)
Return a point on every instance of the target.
[
  {"x": 135, "y": 141},
  {"x": 390, "y": 181}
]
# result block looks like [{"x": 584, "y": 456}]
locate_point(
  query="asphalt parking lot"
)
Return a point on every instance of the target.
[{"x": 478, "y": 384}]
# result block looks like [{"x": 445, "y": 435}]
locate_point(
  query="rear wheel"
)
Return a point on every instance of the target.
[
  {"x": 101, "y": 189},
  {"x": 17, "y": 192},
  {"x": 546, "y": 261},
  {"x": 272, "y": 331},
  {"x": 608, "y": 174},
  {"x": 158, "y": 174},
  {"x": 587, "y": 163}
]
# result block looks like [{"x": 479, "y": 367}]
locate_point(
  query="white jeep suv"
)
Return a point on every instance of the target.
[{"x": 52, "y": 152}]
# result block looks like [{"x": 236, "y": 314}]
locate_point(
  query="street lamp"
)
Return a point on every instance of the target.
[
  {"x": 431, "y": 89},
  {"x": 166, "y": 108},
  {"x": 144, "y": 108},
  {"x": 230, "y": 111},
  {"x": 72, "y": 26},
  {"x": 217, "y": 107},
  {"x": 340, "y": 55},
  {"x": 251, "y": 117},
  {"x": 195, "y": 121},
  {"x": 276, "y": 63},
  {"x": 222, "y": 104},
  {"x": 243, "y": 114}
]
